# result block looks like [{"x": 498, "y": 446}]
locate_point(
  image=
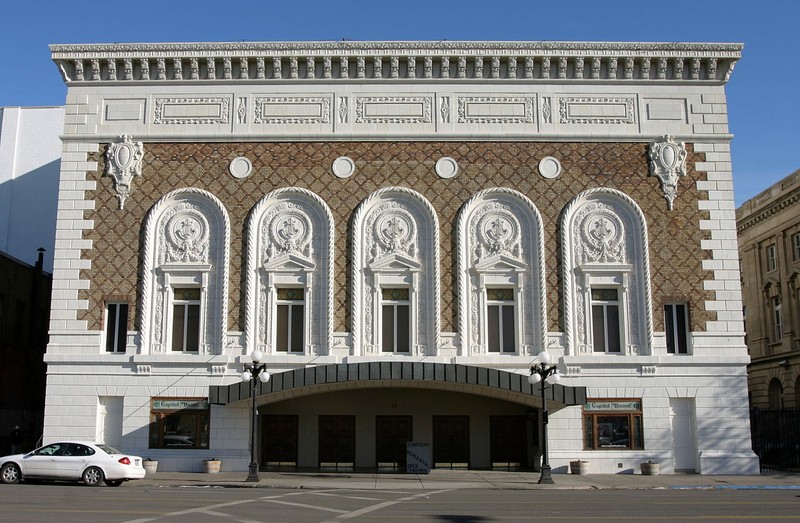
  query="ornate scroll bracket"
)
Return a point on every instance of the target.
[
  {"x": 668, "y": 162},
  {"x": 123, "y": 162}
]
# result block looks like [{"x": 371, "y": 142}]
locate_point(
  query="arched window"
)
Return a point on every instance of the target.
[
  {"x": 288, "y": 301},
  {"x": 607, "y": 303},
  {"x": 395, "y": 275},
  {"x": 185, "y": 276},
  {"x": 775, "y": 394},
  {"x": 502, "y": 306}
]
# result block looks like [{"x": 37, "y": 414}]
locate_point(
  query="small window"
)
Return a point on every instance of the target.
[
  {"x": 290, "y": 327},
  {"x": 772, "y": 258},
  {"x": 606, "y": 321},
  {"x": 777, "y": 319},
  {"x": 186, "y": 320},
  {"x": 613, "y": 425},
  {"x": 796, "y": 247},
  {"x": 178, "y": 423},
  {"x": 116, "y": 326},
  {"x": 676, "y": 326},
  {"x": 500, "y": 320},
  {"x": 396, "y": 321}
]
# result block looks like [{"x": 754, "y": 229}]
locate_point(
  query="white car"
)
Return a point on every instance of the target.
[{"x": 92, "y": 463}]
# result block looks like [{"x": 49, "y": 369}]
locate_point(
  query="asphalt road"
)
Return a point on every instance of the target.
[{"x": 131, "y": 504}]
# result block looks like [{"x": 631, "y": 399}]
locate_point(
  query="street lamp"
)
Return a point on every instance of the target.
[
  {"x": 544, "y": 373},
  {"x": 254, "y": 373}
]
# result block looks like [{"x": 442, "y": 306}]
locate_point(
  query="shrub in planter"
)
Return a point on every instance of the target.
[
  {"x": 150, "y": 465},
  {"x": 579, "y": 467},
  {"x": 211, "y": 465},
  {"x": 651, "y": 468}
]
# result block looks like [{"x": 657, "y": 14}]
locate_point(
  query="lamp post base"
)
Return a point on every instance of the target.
[
  {"x": 546, "y": 478},
  {"x": 252, "y": 473}
]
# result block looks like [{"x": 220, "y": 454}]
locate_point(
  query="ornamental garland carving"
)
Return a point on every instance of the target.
[
  {"x": 601, "y": 235},
  {"x": 287, "y": 230},
  {"x": 394, "y": 231},
  {"x": 668, "y": 163},
  {"x": 496, "y": 231},
  {"x": 123, "y": 162},
  {"x": 262, "y": 103},
  {"x": 185, "y": 237}
]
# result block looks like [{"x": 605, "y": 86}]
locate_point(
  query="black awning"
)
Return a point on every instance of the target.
[{"x": 464, "y": 378}]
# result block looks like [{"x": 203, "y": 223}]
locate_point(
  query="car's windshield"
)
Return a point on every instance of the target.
[{"x": 107, "y": 449}]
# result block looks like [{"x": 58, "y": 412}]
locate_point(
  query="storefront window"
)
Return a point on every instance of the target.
[
  {"x": 613, "y": 424},
  {"x": 178, "y": 423}
]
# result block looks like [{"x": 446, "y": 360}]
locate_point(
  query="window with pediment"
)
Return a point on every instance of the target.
[
  {"x": 395, "y": 275},
  {"x": 184, "y": 281},
  {"x": 607, "y": 303},
  {"x": 289, "y": 274},
  {"x": 501, "y": 275}
]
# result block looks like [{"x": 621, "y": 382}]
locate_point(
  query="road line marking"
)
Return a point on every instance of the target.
[
  {"x": 305, "y": 505},
  {"x": 378, "y": 506},
  {"x": 346, "y": 497}
]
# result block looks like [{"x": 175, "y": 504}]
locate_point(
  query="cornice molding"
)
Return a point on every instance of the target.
[
  {"x": 774, "y": 208},
  {"x": 386, "y": 61}
]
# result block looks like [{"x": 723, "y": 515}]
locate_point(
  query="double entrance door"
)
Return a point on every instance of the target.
[{"x": 337, "y": 442}]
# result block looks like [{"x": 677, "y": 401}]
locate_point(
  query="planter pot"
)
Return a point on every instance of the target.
[
  {"x": 579, "y": 467},
  {"x": 651, "y": 469},
  {"x": 150, "y": 466},
  {"x": 211, "y": 466}
]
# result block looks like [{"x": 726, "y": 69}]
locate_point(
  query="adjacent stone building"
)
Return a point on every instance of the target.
[
  {"x": 400, "y": 228},
  {"x": 769, "y": 250}
]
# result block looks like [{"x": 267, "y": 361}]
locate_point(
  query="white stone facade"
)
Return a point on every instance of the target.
[
  {"x": 30, "y": 160},
  {"x": 693, "y": 406}
]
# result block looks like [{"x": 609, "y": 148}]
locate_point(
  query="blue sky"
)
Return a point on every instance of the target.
[{"x": 762, "y": 94}]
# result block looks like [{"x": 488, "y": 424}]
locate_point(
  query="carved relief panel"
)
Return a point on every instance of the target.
[
  {"x": 395, "y": 246},
  {"x": 186, "y": 252},
  {"x": 605, "y": 247},
  {"x": 500, "y": 249},
  {"x": 289, "y": 253}
]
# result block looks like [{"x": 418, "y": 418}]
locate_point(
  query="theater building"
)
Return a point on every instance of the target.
[{"x": 400, "y": 228}]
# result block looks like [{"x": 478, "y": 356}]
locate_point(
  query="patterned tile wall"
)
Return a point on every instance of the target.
[{"x": 675, "y": 238}]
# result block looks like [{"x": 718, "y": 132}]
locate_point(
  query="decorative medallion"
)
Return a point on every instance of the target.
[
  {"x": 446, "y": 167},
  {"x": 498, "y": 232},
  {"x": 187, "y": 235},
  {"x": 240, "y": 167},
  {"x": 602, "y": 235},
  {"x": 123, "y": 162},
  {"x": 290, "y": 232},
  {"x": 394, "y": 231},
  {"x": 668, "y": 163},
  {"x": 343, "y": 167},
  {"x": 549, "y": 167}
]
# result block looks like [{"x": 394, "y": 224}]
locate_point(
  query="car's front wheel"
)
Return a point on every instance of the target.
[
  {"x": 10, "y": 473},
  {"x": 113, "y": 482},
  {"x": 93, "y": 476}
]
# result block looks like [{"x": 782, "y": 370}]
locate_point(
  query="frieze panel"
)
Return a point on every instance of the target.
[
  {"x": 596, "y": 110},
  {"x": 292, "y": 110},
  {"x": 191, "y": 111},
  {"x": 495, "y": 109},
  {"x": 394, "y": 109}
]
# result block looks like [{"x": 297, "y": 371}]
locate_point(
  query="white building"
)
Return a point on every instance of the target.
[
  {"x": 30, "y": 161},
  {"x": 400, "y": 227}
]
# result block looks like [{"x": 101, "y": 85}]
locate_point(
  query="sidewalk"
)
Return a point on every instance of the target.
[{"x": 467, "y": 479}]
